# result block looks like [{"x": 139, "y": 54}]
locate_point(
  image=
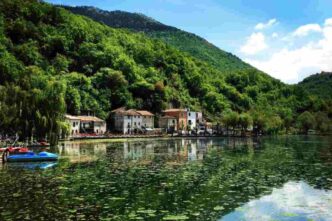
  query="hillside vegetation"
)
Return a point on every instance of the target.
[
  {"x": 184, "y": 41},
  {"x": 319, "y": 84},
  {"x": 53, "y": 62}
]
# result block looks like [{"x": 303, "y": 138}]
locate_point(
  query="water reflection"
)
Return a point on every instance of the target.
[
  {"x": 81, "y": 151},
  {"x": 171, "y": 150},
  {"x": 30, "y": 165},
  {"x": 176, "y": 179},
  {"x": 295, "y": 201}
]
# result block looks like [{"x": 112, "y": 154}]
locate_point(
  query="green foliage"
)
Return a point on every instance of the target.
[
  {"x": 53, "y": 62},
  {"x": 183, "y": 41},
  {"x": 319, "y": 85},
  {"x": 306, "y": 121},
  {"x": 245, "y": 121}
]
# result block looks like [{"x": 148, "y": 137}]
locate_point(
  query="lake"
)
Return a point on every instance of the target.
[{"x": 222, "y": 179}]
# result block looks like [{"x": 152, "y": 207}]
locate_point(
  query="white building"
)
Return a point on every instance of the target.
[
  {"x": 74, "y": 123},
  {"x": 199, "y": 118},
  {"x": 85, "y": 125},
  {"x": 191, "y": 118},
  {"x": 168, "y": 122},
  {"x": 147, "y": 118},
  {"x": 131, "y": 121},
  {"x": 194, "y": 119}
]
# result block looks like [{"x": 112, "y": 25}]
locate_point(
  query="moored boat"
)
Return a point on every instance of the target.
[
  {"x": 16, "y": 150},
  {"x": 39, "y": 144}
]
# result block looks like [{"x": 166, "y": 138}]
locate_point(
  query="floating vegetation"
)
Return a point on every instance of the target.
[{"x": 223, "y": 177}]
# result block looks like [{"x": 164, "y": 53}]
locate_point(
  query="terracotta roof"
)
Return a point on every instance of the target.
[
  {"x": 144, "y": 113},
  {"x": 123, "y": 112},
  {"x": 131, "y": 112},
  {"x": 175, "y": 110},
  {"x": 84, "y": 118},
  {"x": 120, "y": 109},
  {"x": 167, "y": 117},
  {"x": 70, "y": 117}
]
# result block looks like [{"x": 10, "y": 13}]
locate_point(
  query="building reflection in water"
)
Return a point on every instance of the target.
[
  {"x": 168, "y": 150},
  {"x": 81, "y": 151}
]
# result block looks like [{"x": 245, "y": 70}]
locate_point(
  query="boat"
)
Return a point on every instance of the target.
[
  {"x": 39, "y": 144},
  {"x": 16, "y": 150},
  {"x": 31, "y": 157}
]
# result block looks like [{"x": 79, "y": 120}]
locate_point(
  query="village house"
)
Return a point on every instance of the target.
[
  {"x": 180, "y": 115},
  {"x": 74, "y": 123},
  {"x": 192, "y": 120},
  {"x": 131, "y": 121},
  {"x": 85, "y": 125},
  {"x": 195, "y": 119},
  {"x": 168, "y": 122},
  {"x": 147, "y": 118},
  {"x": 199, "y": 118}
]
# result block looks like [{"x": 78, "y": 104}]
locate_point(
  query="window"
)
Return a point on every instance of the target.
[
  {"x": 189, "y": 114},
  {"x": 139, "y": 124},
  {"x": 135, "y": 123},
  {"x": 73, "y": 124}
]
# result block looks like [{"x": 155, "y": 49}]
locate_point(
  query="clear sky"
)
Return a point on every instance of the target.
[{"x": 288, "y": 39}]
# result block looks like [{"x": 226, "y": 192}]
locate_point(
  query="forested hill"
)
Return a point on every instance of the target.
[
  {"x": 54, "y": 62},
  {"x": 319, "y": 84},
  {"x": 121, "y": 19},
  {"x": 184, "y": 41}
]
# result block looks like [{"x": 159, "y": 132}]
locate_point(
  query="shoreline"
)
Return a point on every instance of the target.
[{"x": 142, "y": 138}]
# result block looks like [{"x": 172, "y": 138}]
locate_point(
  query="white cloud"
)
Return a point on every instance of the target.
[
  {"x": 274, "y": 35},
  {"x": 261, "y": 26},
  {"x": 255, "y": 43},
  {"x": 328, "y": 22},
  {"x": 294, "y": 201},
  {"x": 306, "y": 29},
  {"x": 296, "y": 60}
]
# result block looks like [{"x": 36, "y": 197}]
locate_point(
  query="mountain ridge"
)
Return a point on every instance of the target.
[
  {"x": 54, "y": 62},
  {"x": 193, "y": 44},
  {"x": 319, "y": 84}
]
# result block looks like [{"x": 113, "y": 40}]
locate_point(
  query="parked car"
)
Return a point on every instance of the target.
[
  {"x": 204, "y": 132},
  {"x": 147, "y": 130}
]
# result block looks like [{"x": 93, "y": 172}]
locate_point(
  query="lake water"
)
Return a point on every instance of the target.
[{"x": 225, "y": 179}]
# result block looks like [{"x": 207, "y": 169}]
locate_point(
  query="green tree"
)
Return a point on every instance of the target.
[
  {"x": 245, "y": 121},
  {"x": 306, "y": 121},
  {"x": 230, "y": 120},
  {"x": 322, "y": 122}
]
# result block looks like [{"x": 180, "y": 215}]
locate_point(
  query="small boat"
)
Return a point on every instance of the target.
[
  {"x": 16, "y": 150},
  {"x": 31, "y": 157},
  {"x": 39, "y": 144}
]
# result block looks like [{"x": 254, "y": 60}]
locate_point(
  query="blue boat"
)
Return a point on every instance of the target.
[{"x": 32, "y": 157}]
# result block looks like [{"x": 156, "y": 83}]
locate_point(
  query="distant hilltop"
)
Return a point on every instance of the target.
[
  {"x": 196, "y": 46},
  {"x": 319, "y": 84}
]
